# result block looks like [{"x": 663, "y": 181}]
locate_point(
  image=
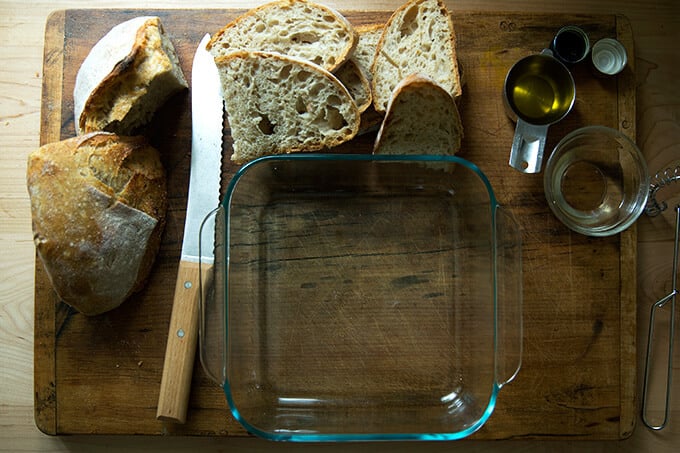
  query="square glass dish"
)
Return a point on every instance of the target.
[{"x": 361, "y": 297}]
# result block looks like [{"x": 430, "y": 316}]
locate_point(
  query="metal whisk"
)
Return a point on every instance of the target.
[{"x": 669, "y": 175}]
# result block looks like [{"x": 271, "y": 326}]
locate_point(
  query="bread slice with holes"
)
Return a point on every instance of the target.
[
  {"x": 127, "y": 75},
  {"x": 298, "y": 28},
  {"x": 419, "y": 38},
  {"x": 422, "y": 118},
  {"x": 281, "y": 104}
]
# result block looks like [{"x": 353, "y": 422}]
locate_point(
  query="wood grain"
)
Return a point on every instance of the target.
[{"x": 574, "y": 382}]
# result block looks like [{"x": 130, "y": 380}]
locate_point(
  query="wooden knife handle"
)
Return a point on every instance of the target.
[{"x": 180, "y": 351}]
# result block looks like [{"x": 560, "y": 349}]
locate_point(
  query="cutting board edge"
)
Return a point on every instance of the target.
[
  {"x": 45, "y": 401},
  {"x": 628, "y": 247}
]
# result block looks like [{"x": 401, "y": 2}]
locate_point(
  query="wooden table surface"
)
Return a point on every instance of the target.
[{"x": 656, "y": 32}]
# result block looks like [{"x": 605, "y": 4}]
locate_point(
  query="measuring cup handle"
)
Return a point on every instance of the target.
[
  {"x": 528, "y": 145},
  {"x": 508, "y": 285}
]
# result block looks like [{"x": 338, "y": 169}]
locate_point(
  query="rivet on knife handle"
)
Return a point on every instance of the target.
[{"x": 180, "y": 351}]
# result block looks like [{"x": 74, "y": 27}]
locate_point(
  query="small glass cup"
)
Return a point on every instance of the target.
[{"x": 596, "y": 181}]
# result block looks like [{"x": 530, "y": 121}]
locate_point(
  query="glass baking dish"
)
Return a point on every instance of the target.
[{"x": 361, "y": 297}]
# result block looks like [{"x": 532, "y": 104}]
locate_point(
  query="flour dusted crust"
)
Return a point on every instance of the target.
[
  {"x": 98, "y": 204},
  {"x": 419, "y": 38},
  {"x": 281, "y": 104},
  {"x": 298, "y": 28},
  {"x": 422, "y": 118},
  {"x": 127, "y": 75}
]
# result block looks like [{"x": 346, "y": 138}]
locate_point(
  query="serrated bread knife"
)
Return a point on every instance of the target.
[{"x": 204, "y": 188}]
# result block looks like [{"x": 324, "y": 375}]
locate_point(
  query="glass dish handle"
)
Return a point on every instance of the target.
[
  {"x": 508, "y": 287},
  {"x": 212, "y": 335}
]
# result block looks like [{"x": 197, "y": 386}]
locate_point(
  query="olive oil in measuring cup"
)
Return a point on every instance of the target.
[{"x": 538, "y": 91}]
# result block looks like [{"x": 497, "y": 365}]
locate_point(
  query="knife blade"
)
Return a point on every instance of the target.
[{"x": 204, "y": 187}]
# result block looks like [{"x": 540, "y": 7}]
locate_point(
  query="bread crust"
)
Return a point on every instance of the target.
[
  {"x": 98, "y": 204},
  {"x": 324, "y": 55}
]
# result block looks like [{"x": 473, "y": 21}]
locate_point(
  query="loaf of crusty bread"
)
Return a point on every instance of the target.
[
  {"x": 422, "y": 118},
  {"x": 98, "y": 204},
  {"x": 356, "y": 82},
  {"x": 127, "y": 75},
  {"x": 419, "y": 38},
  {"x": 298, "y": 28},
  {"x": 280, "y": 104}
]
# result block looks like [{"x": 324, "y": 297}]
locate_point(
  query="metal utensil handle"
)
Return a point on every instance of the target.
[
  {"x": 670, "y": 174},
  {"x": 650, "y": 337}
]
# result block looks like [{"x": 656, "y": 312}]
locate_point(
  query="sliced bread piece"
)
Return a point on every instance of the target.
[
  {"x": 127, "y": 75},
  {"x": 422, "y": 118},
  {"x": 356, "y": 82},
  {"x": 280, "y": 104},
  {"x": 418, "y": 38},
  {"x": 293, "y": 27},
  {"x": 364, "y": 54}
]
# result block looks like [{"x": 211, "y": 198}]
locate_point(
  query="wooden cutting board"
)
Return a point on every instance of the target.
[{"x": 101, "y": 374}]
